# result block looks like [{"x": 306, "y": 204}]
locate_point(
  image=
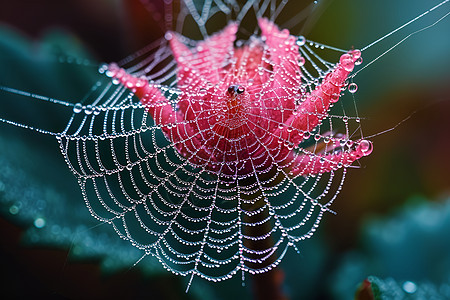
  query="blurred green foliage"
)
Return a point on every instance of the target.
[
  {"x": 386, "y": 289},
  {"x": 409, "y": 248}
]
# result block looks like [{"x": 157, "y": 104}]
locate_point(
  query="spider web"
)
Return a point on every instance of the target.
[{"x": 197, "y": 214}]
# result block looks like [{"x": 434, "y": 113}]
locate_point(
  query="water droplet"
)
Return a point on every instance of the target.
[
  {"x": 349, "y": 143},
  {"x": 141, "y": 81},
  {"x": 88, "y": 109},
  {"x": 352, "y": 87},
  {"x": 358, "y": 61},
  {"x": 356, "y": 53},
  {"x": 334, "y": 98},
  {"x": 348, "y": 65},
  {"x": 115, "y": 81},
  {"x": 109, "y": 73},
  {"x": 306, "y": 135},
  {"x": 366, "y": 147},
  {"x": 102, "y": 68},
  {"x": 168, "y": 36},
  {"x": 345, "y": 84},
  {"x": 39, "y": 222},
  {"x": 260, "y": 71},
  {"x": 77, "y": 108},
  {"x": 301, "y": 40},
  {"x": 301, "y": 61},
  {"x": 409, "y": 287},
  {"x": 129, "y": 84},
  {"x": 14, "y": 209},
  {"x": 96, "y": 110}
]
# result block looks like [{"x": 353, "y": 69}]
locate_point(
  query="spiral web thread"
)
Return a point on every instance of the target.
[
  {"x": 193, "y": 214},
  {"x": 195, "y": 218}
]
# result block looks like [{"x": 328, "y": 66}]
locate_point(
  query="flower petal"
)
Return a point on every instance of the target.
[
  {"x": 207, "y": 58},
  {"x": 286, "y": 76}
]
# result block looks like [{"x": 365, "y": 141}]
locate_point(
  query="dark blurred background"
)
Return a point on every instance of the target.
[{"x": 392, "y": 215}]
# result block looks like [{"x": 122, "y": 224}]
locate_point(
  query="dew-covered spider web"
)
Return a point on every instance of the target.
[{"x": 220, "y": 146}]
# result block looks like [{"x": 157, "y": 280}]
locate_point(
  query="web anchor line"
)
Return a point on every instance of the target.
[
  {"x": 407, "y": 23},
  {"x": 405, "y": 38},
  {"x": 32, "y": 128},
  {"x": 35, "y": 96}
]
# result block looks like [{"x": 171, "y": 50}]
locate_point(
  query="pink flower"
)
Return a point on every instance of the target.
[{"x": 241, "y": 110}]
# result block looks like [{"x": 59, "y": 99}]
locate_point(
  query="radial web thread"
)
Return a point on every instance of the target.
[{"x": 198, "y": 214}]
